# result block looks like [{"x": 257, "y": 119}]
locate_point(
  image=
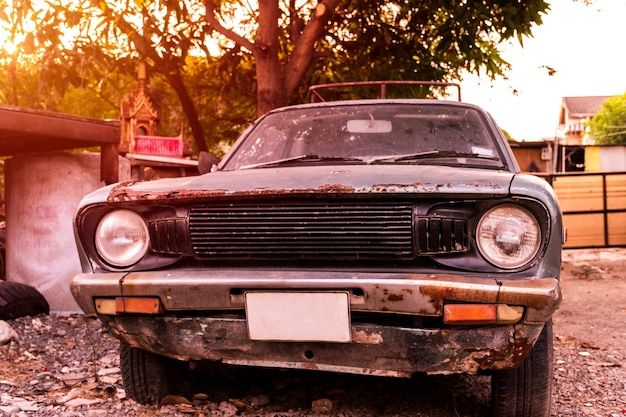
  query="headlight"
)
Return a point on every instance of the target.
[
  {"x": 508, "y": 236},
  {"x": 122, "y": 238}
]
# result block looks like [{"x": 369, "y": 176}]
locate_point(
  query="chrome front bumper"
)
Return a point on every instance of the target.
[
  {"x": 423, "y": 295},
  {"x": 188, "y": 328}
]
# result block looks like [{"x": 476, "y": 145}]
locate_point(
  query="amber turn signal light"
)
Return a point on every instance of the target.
[
  {"x": 121, "y": 305},
  {"x": 467, "y": 314}
]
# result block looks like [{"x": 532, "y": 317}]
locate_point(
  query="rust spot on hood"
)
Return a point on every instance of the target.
[
  {"x": 333, "y": 188},
  {"x": 386, "y": 188},
  {"x": 122, "y": 192},
  {"x": 424, "y": 187}
]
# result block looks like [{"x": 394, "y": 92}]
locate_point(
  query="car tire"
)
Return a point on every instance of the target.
[
  {"x": 148, "y": 377},
  {"x": 526, "y": 391},
  {"x": 18, "y": 300}
]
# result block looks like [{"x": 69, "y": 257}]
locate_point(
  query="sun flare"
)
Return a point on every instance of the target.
[{"x": 7, "y": 45}]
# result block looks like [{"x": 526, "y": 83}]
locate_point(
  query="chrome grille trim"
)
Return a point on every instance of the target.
[
  {"x": 441, "y": 235},
  {"x": 331, "y": 230},
  {"x": 310, "y": 231},
  {"x": 169, "y": 235}
]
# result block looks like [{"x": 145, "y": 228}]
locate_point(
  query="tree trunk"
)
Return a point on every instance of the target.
[
  {"x": 176, "y": 82},
  {"x": 270, "y": 78},
  {"x": 304, "y": 47}
]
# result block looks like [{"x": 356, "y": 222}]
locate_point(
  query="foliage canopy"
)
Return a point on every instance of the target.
[
  {"x": 608, "y": 126},
  {"x": 227, "y": 62}
]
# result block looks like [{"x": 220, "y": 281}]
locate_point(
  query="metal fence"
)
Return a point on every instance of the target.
[{"x": 594, "y": 207}]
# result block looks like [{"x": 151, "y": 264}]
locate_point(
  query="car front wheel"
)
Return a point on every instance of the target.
[
  {"x": 148, "y": 377},
  {"x": 527, "y": 390}
]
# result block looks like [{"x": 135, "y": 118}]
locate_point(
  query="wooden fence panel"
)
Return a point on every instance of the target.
[
  {"x": 579, "y": 193},
  {"x": 584, "y": 230},
  {"x": 616, "y": 192},
  {"x": 594, "y": 208}
]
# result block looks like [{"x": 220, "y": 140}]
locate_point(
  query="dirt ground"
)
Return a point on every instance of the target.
[
  {"x": 593, "y": 310},
  {"x": 66, "y": 366}
]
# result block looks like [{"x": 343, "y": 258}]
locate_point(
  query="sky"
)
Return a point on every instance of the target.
[{"x": 586, "y": 45}]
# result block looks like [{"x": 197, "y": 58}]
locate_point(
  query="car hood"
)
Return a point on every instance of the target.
[{"x": 338, "y": 179}]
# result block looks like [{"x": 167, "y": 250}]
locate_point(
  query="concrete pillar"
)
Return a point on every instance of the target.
[{"x": 42, "y": 192}]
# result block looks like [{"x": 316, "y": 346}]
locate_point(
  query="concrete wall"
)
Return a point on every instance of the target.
[
  {"x": 605, "y": 158},
  {"x": 612, "y": 158},
  {"x": 42, "y": 192}
]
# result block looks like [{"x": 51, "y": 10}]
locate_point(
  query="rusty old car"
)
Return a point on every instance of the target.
[{"x": 377, "y": 236}]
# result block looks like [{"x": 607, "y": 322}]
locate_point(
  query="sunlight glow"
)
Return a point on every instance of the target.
[{"x": 7, "y": 45}]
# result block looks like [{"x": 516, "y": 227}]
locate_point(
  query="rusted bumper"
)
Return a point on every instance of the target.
[
  {"x": 375, "y": 350},
  {"x": 188, "y": 329}
]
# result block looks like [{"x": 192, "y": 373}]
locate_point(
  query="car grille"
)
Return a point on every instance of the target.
[{"x": 319, "y": 231}]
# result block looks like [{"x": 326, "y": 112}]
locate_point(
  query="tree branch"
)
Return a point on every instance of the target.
[
  {"x": 305, "y": 45},
  {"x": 210, "y": 18}
]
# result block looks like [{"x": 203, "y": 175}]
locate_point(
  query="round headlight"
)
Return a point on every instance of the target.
[
  {"x": 508, "y": 236},
  {"x": 122, "y": 238}
]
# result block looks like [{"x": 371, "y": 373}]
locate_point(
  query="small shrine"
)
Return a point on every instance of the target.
[{"x": 151, "y": 155}]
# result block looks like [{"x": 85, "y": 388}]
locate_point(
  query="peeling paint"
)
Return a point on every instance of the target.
[
  {"x": 314, "y": 180},
  {"x": 122, "y": 194},
  {"x": 539, "y": 296},
  {"x": 367, "y": 338},
  {"x": 420, "y": 187}
]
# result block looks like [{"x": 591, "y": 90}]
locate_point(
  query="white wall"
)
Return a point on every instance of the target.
[
  {"x": 612, "y": 158},
  {"x": 42, "y": 192}
]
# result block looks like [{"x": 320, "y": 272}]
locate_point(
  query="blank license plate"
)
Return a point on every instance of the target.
[{"x": 298, "y": 316}]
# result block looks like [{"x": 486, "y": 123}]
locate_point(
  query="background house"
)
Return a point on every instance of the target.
[
  {"x": 534, "y": 156},
  {"x": 575, "y": 111},
  {"x": 571, "y": 150}
]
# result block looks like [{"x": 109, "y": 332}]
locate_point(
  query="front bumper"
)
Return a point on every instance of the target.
[{"x": 188, "y": 329}]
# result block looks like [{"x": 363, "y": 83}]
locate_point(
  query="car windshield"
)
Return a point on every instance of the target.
[{"x": 390, "y": 133}]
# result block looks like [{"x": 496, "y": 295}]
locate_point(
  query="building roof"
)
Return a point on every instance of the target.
[
  {"x": 27, "y": 130},
  {"x": 581, "y": 107}
]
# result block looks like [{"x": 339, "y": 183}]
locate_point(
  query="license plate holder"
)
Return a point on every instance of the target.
[{"x": 298, "y": 316}]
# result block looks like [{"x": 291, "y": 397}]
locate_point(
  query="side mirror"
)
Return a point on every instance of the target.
[{"x": 206, "y": 162}]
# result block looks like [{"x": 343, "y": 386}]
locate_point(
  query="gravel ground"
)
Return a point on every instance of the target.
[
  {"x": 589, "y": 380},
  {"x": 66, "y": 366}
]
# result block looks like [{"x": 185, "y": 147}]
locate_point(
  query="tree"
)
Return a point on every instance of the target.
[
  {"x": 277, "y": 49},
  {"x": 375, "y": 39},
  {"x": 608, "y": 126},
  {"x": 40, "y": 67}
]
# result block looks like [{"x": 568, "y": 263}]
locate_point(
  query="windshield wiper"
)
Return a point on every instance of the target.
[
  {"x": 302, "y": 158},
  {"x": 432, "y": 155}
]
